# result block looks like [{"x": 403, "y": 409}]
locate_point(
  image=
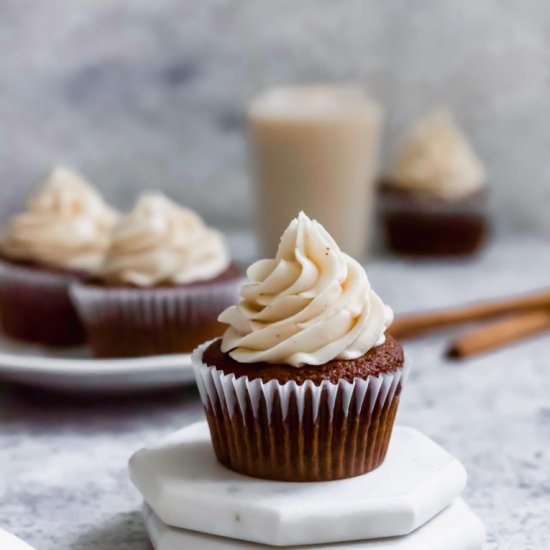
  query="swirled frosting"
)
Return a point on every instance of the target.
[
  {"x": 66, "y": 225},
  {"x": 437, "y": 159},
  {"x": 310, "y": 304},
  {"x": 160, "y": 242}
]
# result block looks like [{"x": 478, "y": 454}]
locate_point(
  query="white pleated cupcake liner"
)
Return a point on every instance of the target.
[
  {"x": 20, "y": 275},
  {"x": 232, "y": 393},
  {"x": 395, "y": 204},
  {"x": 153, "y": 306}
]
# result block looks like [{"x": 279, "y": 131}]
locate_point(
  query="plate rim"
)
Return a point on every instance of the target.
[{"x": 86, "y": 366}]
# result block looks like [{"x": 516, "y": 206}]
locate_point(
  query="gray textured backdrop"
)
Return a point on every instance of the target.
[{"x": 151, "y": 93}]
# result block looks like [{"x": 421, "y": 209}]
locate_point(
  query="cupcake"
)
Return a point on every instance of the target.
[
  {"x": 304, "y": 384},
  {"x": 434, "y": 199},
  {"x": 164, "y": 281},
  {"x": 60, "y": 237}
]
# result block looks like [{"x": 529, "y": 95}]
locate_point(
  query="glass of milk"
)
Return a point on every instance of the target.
[{"x": 315, "y": 148}]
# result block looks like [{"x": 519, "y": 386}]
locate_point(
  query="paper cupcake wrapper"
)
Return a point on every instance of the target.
[
  {"x": 35, "y": 306},
  {"x": 392, "y": 204},
  {"x": 299, "y": 432},
  {"x": 11, "y": 274},
  {"x": 122, "y": 322}
]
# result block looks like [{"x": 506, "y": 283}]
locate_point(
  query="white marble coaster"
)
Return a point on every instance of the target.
[
  {"x": 186, "y": 487},
  {"x": 456, "y": 528}
]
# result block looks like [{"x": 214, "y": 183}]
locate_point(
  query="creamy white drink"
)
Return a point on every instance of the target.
[{"x": 315, "y": 148}]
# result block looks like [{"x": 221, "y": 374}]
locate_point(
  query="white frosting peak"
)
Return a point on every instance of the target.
[
  {"x": 310, "y": 304},
  {"x": 160, "y": 242},
  {"x": 66, "y": 225},
  {"x": 437, "y": 159}
]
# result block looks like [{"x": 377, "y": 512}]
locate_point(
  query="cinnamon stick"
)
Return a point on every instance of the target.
[
  {"x": 406, "y": 326},
  {"x": 500, "y": 333}
]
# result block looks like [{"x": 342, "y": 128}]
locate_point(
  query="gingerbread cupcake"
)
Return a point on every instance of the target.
[
  {"x": 304, "y": 384},
  {"x": 434, "y": 198},
  {"x": 165, "y": 279},
  {"x": 60, "y": 237}
]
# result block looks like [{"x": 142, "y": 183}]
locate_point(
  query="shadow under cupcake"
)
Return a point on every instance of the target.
[{"x": 304, "y": 385}]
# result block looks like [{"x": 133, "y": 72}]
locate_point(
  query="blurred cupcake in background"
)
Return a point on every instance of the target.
[
  {"x": 61, "y": 236},
  {"x": 165, "y": 279},
  {"x": 434, "y": 199}
]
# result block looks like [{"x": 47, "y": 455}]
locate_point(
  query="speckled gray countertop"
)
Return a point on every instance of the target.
[{"x": 63, "y": 480}]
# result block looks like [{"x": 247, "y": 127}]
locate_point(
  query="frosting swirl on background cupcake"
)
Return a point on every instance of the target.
[
  {"x": 310, "y": 304},
  {"x": 437, "y": 159},
  {"x": 66, "y": 225},
  {"x": 160, "y": 242}
]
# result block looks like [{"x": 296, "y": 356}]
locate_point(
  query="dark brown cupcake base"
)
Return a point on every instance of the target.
[
  {"x": 384, "y": 358},
  {"x": 117, "y": 335},
  {"x": 333, "y": 426},
  {"x": 428, "y": 234},
  {"x": 35, "y": 306},
  {"x": 288, "y": 449},
  {"x": 416, "y": 224}
]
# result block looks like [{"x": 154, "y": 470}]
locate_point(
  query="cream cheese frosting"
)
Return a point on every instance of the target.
[
  {"x": 66, "y": 225},
  {"x": 437, "y": 159},
  {"x": 160, "y": 242},
  {"x": 310, "y": 304}
]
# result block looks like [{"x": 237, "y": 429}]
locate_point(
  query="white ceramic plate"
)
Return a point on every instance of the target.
[{"x": 76, "y": 370}]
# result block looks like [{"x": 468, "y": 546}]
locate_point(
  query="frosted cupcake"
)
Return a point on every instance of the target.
[
  {"x": 434, "y": 198},
  {"x": 61, "y": 236},
  {"x": 304, "y": 384},
  {"x": 164, "y": 281}
]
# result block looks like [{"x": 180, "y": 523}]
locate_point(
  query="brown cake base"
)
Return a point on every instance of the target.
[
  {"x": 127, "y": 321},
  {"x": 119, "y": 335},
  {"x": 425, "y": 234},
  {"x": 283, "y": 435},
  {"x": 35, "y": 306},
  {"x": 428, "y": 226}
]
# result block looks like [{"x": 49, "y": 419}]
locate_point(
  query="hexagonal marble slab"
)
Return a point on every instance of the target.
[
  {"x": 456, "y": 528},
  {"x": 184, "y": 484}
]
